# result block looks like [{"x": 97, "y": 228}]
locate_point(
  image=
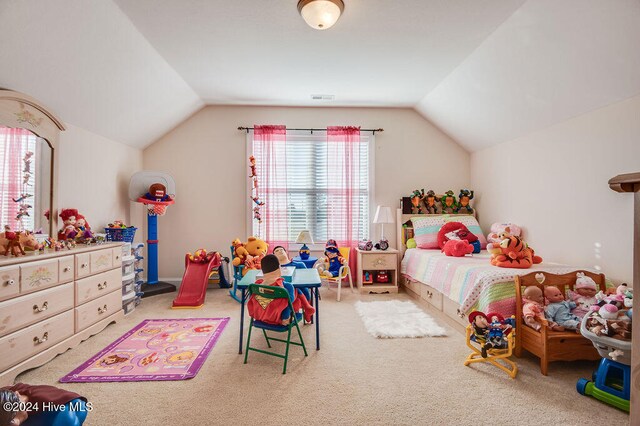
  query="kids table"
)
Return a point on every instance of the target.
[
  {"x": 309, "y": 263},
  {"x": 303, "y": 278}
]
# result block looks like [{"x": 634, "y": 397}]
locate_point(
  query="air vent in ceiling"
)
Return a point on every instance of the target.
[{"x": 323, "y": 97}]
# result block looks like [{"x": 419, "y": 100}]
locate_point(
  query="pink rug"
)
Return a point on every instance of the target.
[{"x": 156, "y": 349}]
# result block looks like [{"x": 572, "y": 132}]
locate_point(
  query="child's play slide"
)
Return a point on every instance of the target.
[{"x": 194, "y": 282}]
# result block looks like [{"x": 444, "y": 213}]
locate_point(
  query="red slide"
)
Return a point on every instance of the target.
[{"x": 194, "y": 282}]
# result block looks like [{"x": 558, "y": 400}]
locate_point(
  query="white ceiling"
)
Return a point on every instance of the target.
[{"x": 484, "y": 71}]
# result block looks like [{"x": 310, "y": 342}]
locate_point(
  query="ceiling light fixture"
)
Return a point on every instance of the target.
[{"x": 320, "y": 14}]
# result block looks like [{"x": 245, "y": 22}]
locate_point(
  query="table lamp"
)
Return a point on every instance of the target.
[
  {"x": 304, "y": 238},
  {"x": 383, "y": 215}
]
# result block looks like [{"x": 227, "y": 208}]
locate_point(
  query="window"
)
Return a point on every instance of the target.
[{"x": 321, "y": 184}]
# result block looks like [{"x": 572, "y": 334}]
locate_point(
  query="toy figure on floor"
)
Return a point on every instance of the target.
[
  {"x": 47, "y": 405},
  {"x": 558, "y": 310},
  {"x": 464, "y": 198},
  {"x": 333, "y": 259},
  {"x": 584, "y": 295},
  {"x": 276, "y": 311}
]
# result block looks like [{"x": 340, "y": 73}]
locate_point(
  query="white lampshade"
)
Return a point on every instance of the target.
[
  {"x": 304, "y": 238},
  {"x": 383, "y": 215},
  {"x": 320, "y": 14}
]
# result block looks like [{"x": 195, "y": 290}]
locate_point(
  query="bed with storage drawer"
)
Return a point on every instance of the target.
[
  {"x": 50, "y": 302},
  {"x": 459, "y": 285}
]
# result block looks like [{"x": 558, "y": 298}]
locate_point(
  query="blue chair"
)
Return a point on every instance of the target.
[
  {"x": 237, "y": 276},
  {"x": 272, "y": 292}
]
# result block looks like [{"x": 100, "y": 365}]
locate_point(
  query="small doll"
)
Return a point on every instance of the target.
[
  {"x": 416, "y": 201},
  {"x": 448, "y": 202},
  {"x": 480, "y": 327},
  {"x": 488, "y": 335},
  {"x": 431, "y": 202},
  {"x": 498, "y": 331},
  {"x": 252, "y": 165},
  {"x": 584, "y": 295},
  {"x": 533, "y": 308},
  {"x": 68, "y": 217},
  {"x": 335, "y": 261},
  {"x": 558, "y": 310},
  {"x": 82, "y": 228},
  {"x": 464, "y": 198}
]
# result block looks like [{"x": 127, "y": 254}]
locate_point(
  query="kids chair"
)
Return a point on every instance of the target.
[
  {"x": 493, "y": 355},
  {"x": 237, "y": 276},
  {"x": 345, "y": 272},
  {"x": 271, "y": 292}
]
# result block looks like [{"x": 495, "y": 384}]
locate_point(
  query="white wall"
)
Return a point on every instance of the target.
[
  {"x": 206, "y": 156},
  {"x": 554, "y": 183},
  {"x": 94, "y": 175}
]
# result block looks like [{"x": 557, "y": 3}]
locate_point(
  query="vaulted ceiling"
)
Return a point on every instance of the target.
[{"x": 484, "y": 71}]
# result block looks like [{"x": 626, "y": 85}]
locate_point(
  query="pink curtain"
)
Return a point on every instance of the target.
[
  {"x": 343, "y": 195},
  {"x": 269, "y": 150},
  {"x": 11, "y": 142}
]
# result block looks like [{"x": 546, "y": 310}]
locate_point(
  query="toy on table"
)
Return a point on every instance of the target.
[
  {"x": 448, "y": 203},
  {"x": 332, "y": 262},
  {"x": 500, "y": 231},
  {"x": 512, "y": 252},
  {"x": 416, "y": 201},
  {"x": 365, "y": 245},
  {"x": 457, "y": 231},
  {"x": 584, "y": 295},
  {"x": 383, "y": 244},
  {"x": 558, "y": 309},
  {"x": 283, "y": 257},
  {"x": 431, "y": 202},
  {"x": 496, "y": 338},
  {"x": 464, "y": 198}
]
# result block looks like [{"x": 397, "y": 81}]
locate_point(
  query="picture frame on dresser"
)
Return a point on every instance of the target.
[{"x": 50, "y": 302}]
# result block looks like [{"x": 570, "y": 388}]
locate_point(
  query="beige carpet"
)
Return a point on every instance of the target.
[{"x": 354, "y": 379}]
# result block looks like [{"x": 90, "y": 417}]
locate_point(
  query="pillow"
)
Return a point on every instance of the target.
[{"x": 426, "y": 229}]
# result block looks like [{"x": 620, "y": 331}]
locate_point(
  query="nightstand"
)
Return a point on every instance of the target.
[{"x": 372, "y": 266}]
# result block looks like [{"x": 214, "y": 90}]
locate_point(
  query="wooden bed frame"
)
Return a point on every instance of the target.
[{"x": 422, "y": 292}]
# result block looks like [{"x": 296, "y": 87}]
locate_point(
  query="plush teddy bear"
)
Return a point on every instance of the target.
[
  {"x": 256, "y": 250},
  {"x": 240, "y": 253},
  {"x": 457, "y": 231},
  {"x": 457, "y": 248},
  {"x": 500, "y": 231}
]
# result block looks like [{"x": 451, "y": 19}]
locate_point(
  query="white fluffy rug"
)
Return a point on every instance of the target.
[{"x": 394, "y": 318}]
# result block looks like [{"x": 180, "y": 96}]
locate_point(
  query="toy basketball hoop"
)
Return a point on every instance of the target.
[{"x": 155, "y": 208}]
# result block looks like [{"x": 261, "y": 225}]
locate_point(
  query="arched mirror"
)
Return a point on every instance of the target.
[{"x": 28, "y": 141}]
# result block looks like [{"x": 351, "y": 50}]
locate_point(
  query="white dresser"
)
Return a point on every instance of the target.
[{"x": 50, "y": 302}]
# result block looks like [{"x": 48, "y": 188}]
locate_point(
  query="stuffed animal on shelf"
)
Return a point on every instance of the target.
[
  {"x": 457, "y": 248},
  {"x": 464, "y": 198},
  {"x": 512, "y": 252},
  {"x": 416, "y": 201},
  {"x": 431, "y": 202},
  {"x": 558, "y": 310},
  {"x": 584, "y": 294},
  {"x": 457, "y": 231},
  {"x": 500, "y": 231},
  {"x": 448, "y": 203}
]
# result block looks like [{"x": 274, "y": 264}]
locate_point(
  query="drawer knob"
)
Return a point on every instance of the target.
[
  {"x": 66, "y": 269},
  {"x": 102, "y": 310},
  {"x": 38, "y": 309},
  {"x": 460, "y": 313},
  {"x": 102, "y": 285},
  {"x": 37, "y": 340},
  {"x": 117, "y": 257},
  {"x": 10, "y": 282},
  {"x": 429, "y": 294},
  {"x": 84, "y": 265}
]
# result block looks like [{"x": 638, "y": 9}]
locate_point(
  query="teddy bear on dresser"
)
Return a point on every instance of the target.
[{"x": 558, "y": 310}]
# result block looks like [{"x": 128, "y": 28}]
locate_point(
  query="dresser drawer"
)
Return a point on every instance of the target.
[
  {"x": 452, "y": 309},
  {"x": 23, "y": 344},
  {"x": 66, "y": 269},
  {"x": 82, "y": 265},
  {"x": 92, "y": 312},
  {"x": 117, "y": 256},
  {"x": 38, "y": 275},
  {"x": 414, "y": 286},
  {"x": 9, "y": 282},
  {"x": 431, "y": 295},
  {"x": 101, "y": 260},
  {"x": 24, "y": 310},
  {"x": 98, "y": 285},
  {"x": 379, "y": 261}
]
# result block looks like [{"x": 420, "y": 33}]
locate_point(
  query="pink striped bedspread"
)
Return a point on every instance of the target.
[{"x": 471, "y": 281}]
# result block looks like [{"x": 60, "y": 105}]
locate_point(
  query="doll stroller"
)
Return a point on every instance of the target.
[{"x": 611, "y": 382}]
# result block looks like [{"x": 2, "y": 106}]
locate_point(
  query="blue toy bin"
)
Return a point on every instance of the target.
[{"x": 120, "y": 234}]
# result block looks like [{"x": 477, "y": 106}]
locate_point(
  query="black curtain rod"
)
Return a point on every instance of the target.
[{"x": 316, "y": 130}]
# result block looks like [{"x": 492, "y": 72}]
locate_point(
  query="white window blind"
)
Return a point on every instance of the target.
[{"x": 329, "y": 206}]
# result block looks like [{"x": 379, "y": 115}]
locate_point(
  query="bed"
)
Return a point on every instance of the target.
[{"x": 460, "y": 285}]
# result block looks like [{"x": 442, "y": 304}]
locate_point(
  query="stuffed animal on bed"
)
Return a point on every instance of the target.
[
  {"x": 512, "y": 252},
  {"x": 457, "y": 248},
  {"x": 499, "y": 231},
  {"x": 457, "y": 231}
]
